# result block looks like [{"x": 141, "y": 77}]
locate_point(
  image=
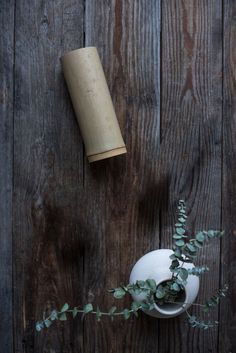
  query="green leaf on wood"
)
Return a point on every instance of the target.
[
  {"x": 200, "y": 237},
  {"x": 39, "y": 326},
  {"x": 53, "y": 315},
  {"x": 88, "y": 308},
  {"x": 180, "y": 243},
  {"x": 126, "y": 314},
  {"x": 98, "y": 314},
  {"x": 180, "y": 231},
  {"x": 74, "y": 312},
  {"x": 47, "y": 322},
  {"x": 119, "y": 293},
  {"x": 191, "y": 247},
  {"x": 176, "y": 236},
  {"x": 62, "y": 317},
  {"x": 65, "y": 307}
]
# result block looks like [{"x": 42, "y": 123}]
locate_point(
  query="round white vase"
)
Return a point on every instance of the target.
[{"x": 155, "y": 265}]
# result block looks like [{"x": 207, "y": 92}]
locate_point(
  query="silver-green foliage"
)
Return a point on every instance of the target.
[
  {"x": 185, "y": 250},
  {"x": 63, "y": 314}
]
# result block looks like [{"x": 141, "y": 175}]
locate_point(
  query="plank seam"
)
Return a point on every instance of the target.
[
  {"x": 222, "y": 164},
  {"x": 160, "y": 130},
  {"x": 13, "y": 154},
  {"x": 84, "y": 156}
]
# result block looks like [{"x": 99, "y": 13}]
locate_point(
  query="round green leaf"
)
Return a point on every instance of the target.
[
  {"x": 119, "y": 293},
  {"x": 39, "y": 326},
  {"x": 175, "y": 287},
  {"x": 88, "y": 308},
  {"x": 53, "y": 315},
  {"x": 180, "y": 231},
  {"x": 62, "y": 317},
  {"x": 74, "y": 312},
  {"x": 191, "y": 247},
  {"x": 151, "y": 284},
  {"x": 200, "y": 237},
  {"x": 176, "y": 236},
  {"x": 47, "y": 323},
  {"x": 198, "y": 244},
  {"x": 65, "y": 307},
  {"x": 141, "y": 283},
  {"x": 126, "y": 314},
  {"x": 179, "y": 243},
  {"x": 174, "y": 263},
  {"x": 112, "y": 310},
  {"x": 177, "y": 253},
  {"x": 183, "y": 273},
  {"x": 160, "y": 292}
]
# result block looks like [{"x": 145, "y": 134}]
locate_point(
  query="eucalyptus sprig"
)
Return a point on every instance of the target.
[
  {"x": 211, "y": 303},
  {"x": 185, "y": 250},
  {"x": 148, "y": 287},
  {"x": 194, "y": 322},
  {"x": 65, "y": 311},
  {"x": 214, "y": 300}
]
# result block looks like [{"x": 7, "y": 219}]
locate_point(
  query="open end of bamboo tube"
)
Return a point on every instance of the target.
[{"x": 108, "y": 154}]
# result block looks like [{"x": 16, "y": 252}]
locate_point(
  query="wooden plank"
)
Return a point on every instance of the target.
[
  {"x": 6, "y": 147},
  {"x": 190, "y": 156},
  {"x": 48, "y": 178},
  {"x": 227, "y": 339},
  {"x": 121, "y": 200}
]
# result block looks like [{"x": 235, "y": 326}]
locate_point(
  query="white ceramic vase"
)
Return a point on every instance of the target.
[{"x": 155, "y": 265}]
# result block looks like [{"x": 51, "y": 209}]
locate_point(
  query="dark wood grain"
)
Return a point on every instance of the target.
[
  {"x": 78, "y": 228},
  {"x": 121, "y": 207},
  {"x": 227, "y": 338},
  {"x": 6, "y": 171},
  {"x": 190, "y": 155},
  {"x": 48, "y": 176}
]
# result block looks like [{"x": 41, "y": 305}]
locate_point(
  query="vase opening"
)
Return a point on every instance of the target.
[{"x": 173, "y": 308}]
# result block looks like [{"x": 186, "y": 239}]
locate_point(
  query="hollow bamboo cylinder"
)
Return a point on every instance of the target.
[{"x": 92, "y": 104}]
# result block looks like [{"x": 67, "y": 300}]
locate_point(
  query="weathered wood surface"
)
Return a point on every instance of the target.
[
  {"x": 48, "y": 175},
  {"x": 6, "y": 161},
  {"x": 77, "y": 229},
  {"x": 227, "y": 339},
  {"x": 190, "y": 152},
  {"x": 122, "y": 225}
]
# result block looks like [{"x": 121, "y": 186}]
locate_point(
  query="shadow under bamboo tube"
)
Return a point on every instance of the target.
[{"x": 92, "y": 103}]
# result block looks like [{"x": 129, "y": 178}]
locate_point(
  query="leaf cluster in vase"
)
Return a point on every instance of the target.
[{"x": 169, "y": 292}]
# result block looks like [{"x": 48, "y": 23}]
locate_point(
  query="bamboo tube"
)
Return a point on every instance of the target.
[{"x": 92, "y": 104}]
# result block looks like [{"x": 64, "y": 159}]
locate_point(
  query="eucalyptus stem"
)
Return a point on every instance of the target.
[{"x": 88, "y": 309}]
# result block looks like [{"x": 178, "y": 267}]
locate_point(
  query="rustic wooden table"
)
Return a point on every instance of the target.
[{"x": 68, "y": 229}]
